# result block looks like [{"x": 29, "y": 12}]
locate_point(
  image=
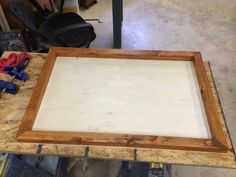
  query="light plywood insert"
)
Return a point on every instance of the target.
[{"x": 123, "y": 96}]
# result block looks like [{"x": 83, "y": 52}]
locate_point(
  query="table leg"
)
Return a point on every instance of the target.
[
  {"x": 117, "y": 12},
  {"x": 121, "y": 8}
]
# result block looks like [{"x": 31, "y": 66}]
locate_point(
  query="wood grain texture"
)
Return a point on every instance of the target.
[
  {"x": 38, "y": 92},
  {"x": 124, "y": 97},
  {"x": 124, "y": 54},
  {"x": 11, "y": 116},
  {"x": 217, "y": 143},
  {"x": 209, "y": 103}
]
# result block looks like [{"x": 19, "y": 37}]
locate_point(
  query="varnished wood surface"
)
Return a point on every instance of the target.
[
  {"x": 216, "y": 143},
  {"x": 209, "y": 103},
  {"x": 13, "y": 107}
]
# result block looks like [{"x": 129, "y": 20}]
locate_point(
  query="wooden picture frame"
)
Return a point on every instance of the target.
[{"x": 216, "y": 143}]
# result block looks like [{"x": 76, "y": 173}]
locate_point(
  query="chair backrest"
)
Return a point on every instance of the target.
[
  {"x": 39, "y": 7},
  {"x": 69, "y": 30},
  {"x": 24, "y": 14}
]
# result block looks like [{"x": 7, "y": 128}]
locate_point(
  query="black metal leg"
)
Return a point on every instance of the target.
[
  {"x": 121, "y": 10},
  {"x": 117, "y": 12}
]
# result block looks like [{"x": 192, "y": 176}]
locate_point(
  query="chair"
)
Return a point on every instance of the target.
[
  {"x": 44, "y": 11},
  {"x": 61, "y": 30}
]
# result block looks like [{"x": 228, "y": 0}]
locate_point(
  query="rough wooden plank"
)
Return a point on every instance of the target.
[{"x": 13, "y": 107}]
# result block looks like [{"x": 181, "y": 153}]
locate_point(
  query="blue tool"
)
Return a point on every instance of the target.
[
  {"x": 9, "y": 87},
  {"x": 16, "y": 73}
]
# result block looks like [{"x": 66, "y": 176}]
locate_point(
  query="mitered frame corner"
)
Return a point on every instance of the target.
[{"x": 216, "y": 143}]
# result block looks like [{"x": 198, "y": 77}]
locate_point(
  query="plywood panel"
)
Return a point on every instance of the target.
[
  {"x": 214, "y": 143},
  {"x": 142, "y": 97},
  {"x": 11, "y": 117}
]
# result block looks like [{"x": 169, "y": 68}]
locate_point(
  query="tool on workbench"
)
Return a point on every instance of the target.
[
  {"x": 16, "y": 73},
  {"x": 8, "y": 86},
  {"x": 13, "y": 59}
]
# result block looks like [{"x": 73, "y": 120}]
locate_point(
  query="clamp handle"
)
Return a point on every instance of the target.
[
  {"x": 18, "y": 72},
  {"x": 8, "y": 87},
  {"x": 23, "y": 64}
]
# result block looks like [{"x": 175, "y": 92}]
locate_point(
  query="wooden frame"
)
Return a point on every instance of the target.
[{"x": 216, "y": 143}]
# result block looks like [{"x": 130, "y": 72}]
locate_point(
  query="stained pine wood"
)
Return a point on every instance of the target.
[
  {"x": 216, "y": 143},
  {"x": 11, "y": 117},
  {"x": 209, "y": 103}
]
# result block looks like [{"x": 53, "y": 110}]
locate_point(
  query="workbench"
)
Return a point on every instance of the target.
[{"x": 12, "y": 108}]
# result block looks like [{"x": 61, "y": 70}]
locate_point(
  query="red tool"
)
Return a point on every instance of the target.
[
  {"x": 12, "y": 60},
  {"x": 15, "y": 71}
]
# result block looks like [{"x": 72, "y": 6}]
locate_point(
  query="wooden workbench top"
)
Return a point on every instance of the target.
[{"x": 12, "y": 108}]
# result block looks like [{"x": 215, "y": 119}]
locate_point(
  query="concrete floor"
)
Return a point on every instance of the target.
[
  {"x": 95, "y": 168},
  {"x": 208, "y": 26}
]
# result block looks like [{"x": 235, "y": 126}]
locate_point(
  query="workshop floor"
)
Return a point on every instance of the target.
[{"x": 208, "y": 26}]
